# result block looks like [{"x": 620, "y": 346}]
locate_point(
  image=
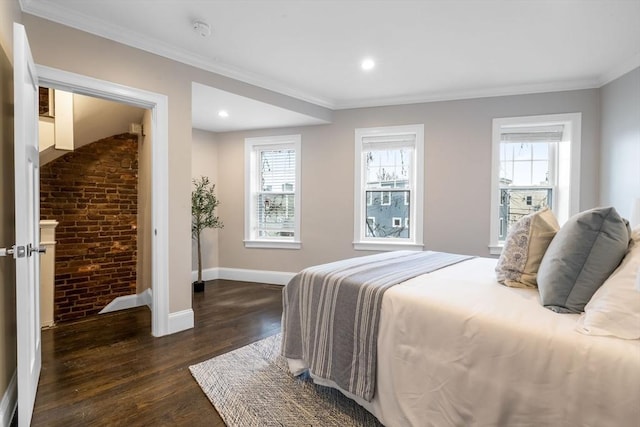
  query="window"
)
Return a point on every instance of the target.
[
  {"x": 272, "y": 199},
  {"x": 535, "y": 165},
  {"x": 388, "y": 187}
]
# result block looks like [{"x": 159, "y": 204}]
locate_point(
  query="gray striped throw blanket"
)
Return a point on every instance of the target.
[{"x": 331, "y": 313}]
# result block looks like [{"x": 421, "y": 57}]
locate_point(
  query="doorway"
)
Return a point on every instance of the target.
[{"x": 158, "y": 105}]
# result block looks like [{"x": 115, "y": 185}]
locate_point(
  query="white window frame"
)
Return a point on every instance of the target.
[
  {"x": 396, "y": 222},
  {"x": 415, "y": 242},
  {"x": 281, "y": 142},
  {"x": 567, "y": 187}
]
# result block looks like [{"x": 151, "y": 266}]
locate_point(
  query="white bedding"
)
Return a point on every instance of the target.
[{"x": 455, "y": 348}]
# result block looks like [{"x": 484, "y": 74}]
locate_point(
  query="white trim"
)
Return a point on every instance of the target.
[
  {"x": 489, "y": 92},
  {"x": 158, "y": 104},
  {"x": 245, "y": 275},
  {"x": 495, "y": 250},
  {"x": 250, "y": 179},
  {"x": 9, "y": 402},
  {"x": 573, "y": 127},
  {"x": 129, "y": 301},
  {"x": 207, "y": 274},
  {"x": 257, "y": 276},
  {"x": 180, "y": 321},
  {"x": 620, "y": 70},
  {"x": 360, "y": 241},
  {"x": 272, "y": 244},
  {"x": 386, "y": 246}
]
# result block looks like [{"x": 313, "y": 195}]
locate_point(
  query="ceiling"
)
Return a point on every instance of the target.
[{"x": 424, "y": 50}]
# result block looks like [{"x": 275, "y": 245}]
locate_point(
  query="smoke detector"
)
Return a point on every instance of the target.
[{"x": 202, "y": 28}]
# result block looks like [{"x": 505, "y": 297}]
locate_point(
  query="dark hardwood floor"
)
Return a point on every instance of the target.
[{"x": 110, "y": 371}]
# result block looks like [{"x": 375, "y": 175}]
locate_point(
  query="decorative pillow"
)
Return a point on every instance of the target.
[
  {"x": 524, "y": 247},
  {"x": 580, "y": 257},
  {"x": 615, "y": 308}
]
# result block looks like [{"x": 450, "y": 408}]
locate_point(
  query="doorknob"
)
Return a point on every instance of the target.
[{"x": 31, "y": 249}]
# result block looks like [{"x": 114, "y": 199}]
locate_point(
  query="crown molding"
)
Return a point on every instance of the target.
[
  {"x": 100, "y": 28},
  {"x": 621, "y": 69},
  {"x": 130, "y": 38},
  {"x": 473, "y": 94}
]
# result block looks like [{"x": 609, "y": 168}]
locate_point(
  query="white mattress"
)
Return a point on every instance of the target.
[{"x": 455, "y": 348}]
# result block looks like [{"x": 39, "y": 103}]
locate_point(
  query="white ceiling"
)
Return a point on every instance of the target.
[
  {"x": 244, "y": 113},
  {"x": 425, "y": 50}
]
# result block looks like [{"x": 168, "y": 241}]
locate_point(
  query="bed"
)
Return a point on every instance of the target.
[{"x": 456, "y": 348}]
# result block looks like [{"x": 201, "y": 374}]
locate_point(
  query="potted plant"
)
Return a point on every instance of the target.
[{"x": 203, "y": 206}]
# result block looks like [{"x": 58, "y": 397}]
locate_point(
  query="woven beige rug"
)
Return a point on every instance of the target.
[{"x": 252, "y": 386}]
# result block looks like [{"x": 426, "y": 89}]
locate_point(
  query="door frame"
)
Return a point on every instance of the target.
[{"x": 158, "y": 104}]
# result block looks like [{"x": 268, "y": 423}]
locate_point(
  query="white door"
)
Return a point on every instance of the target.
[{"x": 26, "y": 253}]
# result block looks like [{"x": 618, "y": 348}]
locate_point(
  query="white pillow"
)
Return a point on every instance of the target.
[{"x": 614, "y": 310}]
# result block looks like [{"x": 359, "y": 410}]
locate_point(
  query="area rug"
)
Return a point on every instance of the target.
[{"x": 252, "y": 386}]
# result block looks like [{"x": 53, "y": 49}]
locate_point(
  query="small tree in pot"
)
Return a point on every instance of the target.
[{"x": 203, "y": 206}]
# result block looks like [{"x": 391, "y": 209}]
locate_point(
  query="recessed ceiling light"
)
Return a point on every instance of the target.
[
  {"x": 223, "y": 113},
  {"x": 368, "y": 64}
]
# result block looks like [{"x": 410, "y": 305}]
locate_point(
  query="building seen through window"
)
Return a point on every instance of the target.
[{"x": 388, "y": 193}]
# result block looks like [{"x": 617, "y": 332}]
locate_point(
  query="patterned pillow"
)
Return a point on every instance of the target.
[{"x": 524, "y": 248}]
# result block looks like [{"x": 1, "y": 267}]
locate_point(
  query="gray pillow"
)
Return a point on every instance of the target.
[{"x": 581, "y": 256}]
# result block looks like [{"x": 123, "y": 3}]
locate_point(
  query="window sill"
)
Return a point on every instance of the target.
[
  {"x": 384, "y": 246},
  {"x": 495, "y": 249},
  {"x": 272, "y": 244}
]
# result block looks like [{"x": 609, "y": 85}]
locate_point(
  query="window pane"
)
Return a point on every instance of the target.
[
  {"x": 278, "y": 170},
  {"x": 275, "y": 215},
  {"x": 540, "y": 172},
  {"x": 388, "y": 219},
  {"x": 521, "y": 173},
  {"x": 506, "y": 151},
  {"x": 524, "y": 163},
  {"x": 514, "y": 204},
  {"x": 521, "y": 150},
  {"x": 506, "y": 172},
  {"x": 540, "y": 151},
  {"x": 388, "y": 168}
]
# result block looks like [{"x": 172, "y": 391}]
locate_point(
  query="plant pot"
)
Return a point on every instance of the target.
[{"x": 198, "y": 286}]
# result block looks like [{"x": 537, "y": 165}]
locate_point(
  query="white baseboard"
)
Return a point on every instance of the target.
[
  {"x": 129, "y": 301},
  {"x": 180, "y": 321},
  {"x": 245, "y": 275},
  {"x": 9, "y": 402},
  {"x": 207, "y": 274}
]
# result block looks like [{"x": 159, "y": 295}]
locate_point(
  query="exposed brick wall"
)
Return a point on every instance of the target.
[
  {"x": 93, "y": 194},
  {"x": 43, "y": 96}
]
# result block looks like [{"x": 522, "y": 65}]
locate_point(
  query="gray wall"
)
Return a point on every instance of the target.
[
  {"x": 204, "y": 162},
  {"x": 620, "y": 160},
  {"x": 457, "y": 175}
]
